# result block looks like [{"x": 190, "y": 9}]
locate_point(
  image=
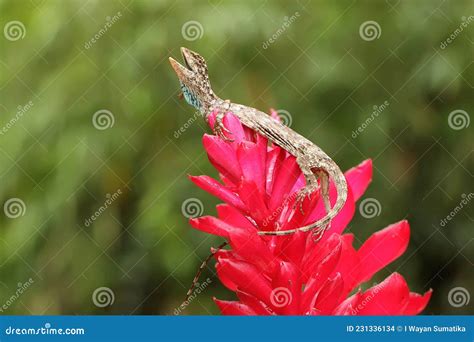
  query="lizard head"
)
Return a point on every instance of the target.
[{"x": 194, "y": 80}]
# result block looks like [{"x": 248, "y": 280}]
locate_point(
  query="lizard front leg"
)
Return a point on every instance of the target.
[
  {"x": 323, "y": 177},
  {"x": 219, "y": 127}
]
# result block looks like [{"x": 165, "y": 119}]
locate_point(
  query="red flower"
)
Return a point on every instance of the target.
[{"x": 293, "y": 275}]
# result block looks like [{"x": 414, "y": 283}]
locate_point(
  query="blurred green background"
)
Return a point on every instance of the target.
[{"x": 319, "y": 69}]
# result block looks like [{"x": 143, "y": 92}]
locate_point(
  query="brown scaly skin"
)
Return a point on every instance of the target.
[{"x": 314, "y": 163}]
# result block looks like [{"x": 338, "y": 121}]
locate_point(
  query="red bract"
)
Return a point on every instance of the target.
[{"x": 293, "y": 275}]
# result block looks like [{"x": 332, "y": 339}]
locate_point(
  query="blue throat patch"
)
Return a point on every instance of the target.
[{"x": 190, "y": 97}]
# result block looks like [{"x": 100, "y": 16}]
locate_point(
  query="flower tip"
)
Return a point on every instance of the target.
[
  {"x": 396, "y": 279},
  {"x": 194, "y": 221},
  {"x": 337, "y": 276},
  {"x": 403, "y": 229},
  {"x": 427, "y": 294},
  {"x": 367, "y": 163},
  {"x": 206, "y": 139},
  {"x": 359, "y": 177}
]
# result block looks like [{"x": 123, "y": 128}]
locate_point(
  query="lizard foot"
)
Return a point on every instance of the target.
[
  {"x": 302, "y": 194},
  {"x": 219, "y": 128},
  {"x": 318, "y": 233}
]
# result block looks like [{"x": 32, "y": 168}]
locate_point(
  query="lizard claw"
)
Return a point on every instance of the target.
[
  {"x": 301, "y": 195},
  {"x": 219, "y": 129},
  {"x": 319, "y": 232}
]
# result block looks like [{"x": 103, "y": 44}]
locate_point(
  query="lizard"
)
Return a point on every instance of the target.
[{"x": 313, "y": 161}]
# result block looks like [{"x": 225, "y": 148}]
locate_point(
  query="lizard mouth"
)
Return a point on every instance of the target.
[
  {"x": 185, "y": 55},
  {"x": 180, "y": 69}
]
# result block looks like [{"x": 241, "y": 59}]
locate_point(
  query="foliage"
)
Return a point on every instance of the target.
[{"x": 318, "y": 69}]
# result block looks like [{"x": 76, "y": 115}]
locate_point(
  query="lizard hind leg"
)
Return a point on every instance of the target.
[
  {"x": 323, "y": 177},
  {"x": 311, "y": 183},
  {"x": 319, "y": 232}
]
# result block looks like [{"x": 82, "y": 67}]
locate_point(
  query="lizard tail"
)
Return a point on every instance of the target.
[
  {"x": 322, "y": 224},
  {"x": 199, "y": 272}
]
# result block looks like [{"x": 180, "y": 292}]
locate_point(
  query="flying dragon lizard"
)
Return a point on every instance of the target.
[{"x": 313, "y": 162}]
